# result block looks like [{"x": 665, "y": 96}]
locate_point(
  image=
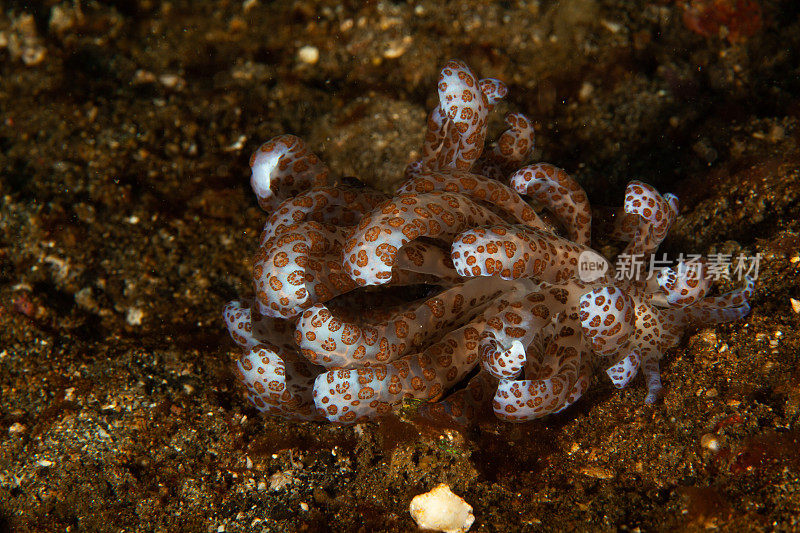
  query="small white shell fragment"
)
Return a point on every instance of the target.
[
  {"x": 16, "y": 429},
  {"x": 308, "y": 54},
  {"x": 171, "y": 81},
  {"x": 133, "y": 316},
  {"x": 597, "y": 472},
  {"x": 795, "y": 305},
  {"x": 441, "y": 510},
  {"x": 710, "y": 442}
]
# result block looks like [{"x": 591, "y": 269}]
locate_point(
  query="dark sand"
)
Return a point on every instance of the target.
[{"x": 126, "y": 223}]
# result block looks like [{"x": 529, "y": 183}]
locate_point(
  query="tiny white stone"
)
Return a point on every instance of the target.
[
  {"x": 280, "y": 480},
  {"x": 171, "y": 81},
  {"x": 610, "y": 25},
  {"x": 441, "y": 510},
  {"x": 308, "y": 54},
  {"x": 133, "y": 316},
  {"x": 237, "y": 145},
  {"x": 585, "y": 91},
  {"x": 710, "y": 442}
]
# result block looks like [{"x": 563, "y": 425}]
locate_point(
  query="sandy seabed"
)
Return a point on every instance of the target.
[{"x": 126, "y": 223}]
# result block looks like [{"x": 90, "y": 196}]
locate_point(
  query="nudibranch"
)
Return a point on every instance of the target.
[{"x": 510, "y": 319}]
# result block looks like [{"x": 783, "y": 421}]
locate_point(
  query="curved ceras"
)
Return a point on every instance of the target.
[
  {"x": 394, "y": 361},
  {"x": 626, "y": 323},
  {"x": 513, "y": 252},
  {"x": 656, "y": 214},
  {"x": 303, "y": 265},
  {"x": 557, "y": 369},
  {"x": 337, "y": 205},
  {"x": 536, "y": 328},
  {"x": 645, "y": 218},
  {"x": 371, "y": 252},
  {"x": 562, "y": 380},
  {"x": 283, "y": 167},
  {"x": 457, "y": 126},
  {"x": 277, "y": 379},
  {"x": 329, "y": 341},
  {"x": 555, "y": 189},
  {"x": 463, "y": 406},
  {"x": 488, "y": 192},
  {"x": 428, "y": 213},
  {"x": 547, "y": 347},
  {"x": 357, "y": 395},
  {"x": 299, "y": 260},
  {"x": 513, "y": 148}
]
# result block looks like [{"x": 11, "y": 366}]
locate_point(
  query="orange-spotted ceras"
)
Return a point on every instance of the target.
[{"x": 498, "y": 314}]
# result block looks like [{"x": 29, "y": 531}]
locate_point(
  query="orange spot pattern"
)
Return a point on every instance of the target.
[{"x": 506, "y": 287}]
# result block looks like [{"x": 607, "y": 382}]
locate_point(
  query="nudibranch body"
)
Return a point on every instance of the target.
[{"x": 515, "y": 323}]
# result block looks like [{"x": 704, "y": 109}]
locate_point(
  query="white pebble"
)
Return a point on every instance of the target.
[
  {"x": 610, "y": 25},
  {"x": 397, "y": 48},
  {"x": 710, "y": 442},
  {"x": 585, "y": 91},
  {"x": 172, "y": 81},
  {"x": 441, "y": 510},
  {"x": 308, "y": 54},
  {"x": 133, "y": 316},
  {"x": 280, "y": 480}
]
